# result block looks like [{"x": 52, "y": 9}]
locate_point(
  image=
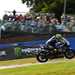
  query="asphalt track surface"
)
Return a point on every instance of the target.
[{"x": 54, "y": 61}]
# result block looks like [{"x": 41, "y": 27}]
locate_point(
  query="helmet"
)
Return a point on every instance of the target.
[{"x": 58, "y": 36}]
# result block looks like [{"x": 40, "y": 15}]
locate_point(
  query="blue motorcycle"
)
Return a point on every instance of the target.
[{"x": 47, "y": 53}]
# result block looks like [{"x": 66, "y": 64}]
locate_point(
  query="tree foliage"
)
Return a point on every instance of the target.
[
  {"x": 55, "y": 6},
  {"x": 50, "y": 5}
]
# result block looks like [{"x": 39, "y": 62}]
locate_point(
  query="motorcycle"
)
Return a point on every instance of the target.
[{"x": 45, "y": 53}]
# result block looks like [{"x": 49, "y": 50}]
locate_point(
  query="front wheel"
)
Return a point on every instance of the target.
[
  {"x": 41, "y": 57},
  {"x": 69, "y": 54}
]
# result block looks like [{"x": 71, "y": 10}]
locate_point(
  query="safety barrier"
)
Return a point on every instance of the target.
[{"x": 10, "y": 50}]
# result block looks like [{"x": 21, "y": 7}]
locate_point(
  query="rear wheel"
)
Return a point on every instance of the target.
[{"x": 69, "y": 54}]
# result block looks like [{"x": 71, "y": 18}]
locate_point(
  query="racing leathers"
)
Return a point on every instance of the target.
[{"x": 55, "y": 43}]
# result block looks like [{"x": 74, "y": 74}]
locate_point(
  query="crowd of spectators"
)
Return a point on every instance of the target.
[{"x": 38, "y": 24}]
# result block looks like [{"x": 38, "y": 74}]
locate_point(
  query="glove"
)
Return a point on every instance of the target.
[{"x": 50, "y": 47}]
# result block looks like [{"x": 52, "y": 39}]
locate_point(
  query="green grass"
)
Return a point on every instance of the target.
[{"x": 64, "y": 68}]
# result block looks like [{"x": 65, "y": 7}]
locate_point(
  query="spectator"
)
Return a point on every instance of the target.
[
  {"x": 14, "y": 12},
  {"x": 61, "y": 27},
  {"x": 5, "y": 17}
]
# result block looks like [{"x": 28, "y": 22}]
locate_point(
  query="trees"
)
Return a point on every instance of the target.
[{"x": 55, "y": 6}]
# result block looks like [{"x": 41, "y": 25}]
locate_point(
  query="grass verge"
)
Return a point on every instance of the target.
[{"x": 62, "y": 68}]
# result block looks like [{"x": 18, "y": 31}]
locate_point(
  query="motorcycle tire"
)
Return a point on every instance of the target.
[
  {"x": 41, "y": 57},
  {"x": 69, "y": 54}
]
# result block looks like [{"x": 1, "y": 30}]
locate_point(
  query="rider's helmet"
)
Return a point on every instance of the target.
[{"x": 58, "y": 36}]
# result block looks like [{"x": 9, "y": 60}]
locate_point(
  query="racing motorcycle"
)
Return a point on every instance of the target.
[{"x": 46, "y": 53}]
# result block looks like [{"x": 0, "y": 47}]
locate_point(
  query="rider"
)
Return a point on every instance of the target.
[{"x": 56, "y": 40}]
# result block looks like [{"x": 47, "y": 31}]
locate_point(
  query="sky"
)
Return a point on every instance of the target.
[{"x": 10, "y": 5}]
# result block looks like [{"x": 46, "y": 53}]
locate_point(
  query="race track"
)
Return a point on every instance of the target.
[{"x": 54, "y": 61}]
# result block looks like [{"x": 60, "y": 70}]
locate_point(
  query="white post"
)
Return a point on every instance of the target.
[
  {"x": 0, "y": 32},
  {"x": 65, "y": 1}
]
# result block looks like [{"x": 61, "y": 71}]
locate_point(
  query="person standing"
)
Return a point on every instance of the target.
[{"x": 14, "y": 12}]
